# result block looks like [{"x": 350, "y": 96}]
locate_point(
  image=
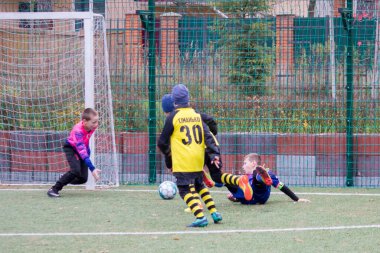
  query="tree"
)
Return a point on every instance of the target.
[
  {"x": 243, "y": 8},
  {"x": 244, "y": 40}
]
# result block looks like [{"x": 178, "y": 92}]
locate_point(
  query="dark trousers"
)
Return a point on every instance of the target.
[{"x": 78, "y": 169}]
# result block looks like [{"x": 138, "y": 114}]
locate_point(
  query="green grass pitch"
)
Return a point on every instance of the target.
[{"x": 135, "y": 219}]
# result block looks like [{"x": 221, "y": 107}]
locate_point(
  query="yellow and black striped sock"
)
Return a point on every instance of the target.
[
  {"x": 230, "y": 179},
  {"x": 195, "y": 194},
  {"x": 193, "y": 204},
  {"x": 206, "y": 197}
]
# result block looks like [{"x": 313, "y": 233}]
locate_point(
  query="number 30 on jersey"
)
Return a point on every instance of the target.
[{"x": 195, "y": 133}]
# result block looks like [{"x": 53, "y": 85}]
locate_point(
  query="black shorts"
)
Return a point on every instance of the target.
[{"x": 186, "y": 178}]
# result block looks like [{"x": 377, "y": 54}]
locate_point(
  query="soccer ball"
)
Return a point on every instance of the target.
[{"x": 167, "y": 190}]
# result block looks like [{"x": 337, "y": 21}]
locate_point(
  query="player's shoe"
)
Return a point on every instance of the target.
[
  {"x": 216, "y": 217},
  {"x": 231, "y": 197},
  {"x": 264, "y": 175},
  {"x": 207, "y": 180},
  {"x": 53, "y": 193},
  {"x": 199, "y": 222},
  {"x": 246, "y": 187}
]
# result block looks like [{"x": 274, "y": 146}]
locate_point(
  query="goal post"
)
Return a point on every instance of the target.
[{"x": 49, "y": 72}]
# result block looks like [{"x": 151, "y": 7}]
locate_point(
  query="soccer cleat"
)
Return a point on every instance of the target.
[
  {"x": 53, "y": 193},
  {"x": 264, "y": 175},
  {"x": 216, "y": 217},
  {"x": 207, "y": 180},
  {"x": 246, "y": 187},
  {"x": 199, "y": 222},
  {"x": 231, "y": 197},
  {"x": 219, "y": 185}
]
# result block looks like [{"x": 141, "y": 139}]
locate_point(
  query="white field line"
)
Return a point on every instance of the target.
[
  {"x": 219, "y": 192},
  {"x": 275, "y": 193},
  {"x": 184, "y": 232}
]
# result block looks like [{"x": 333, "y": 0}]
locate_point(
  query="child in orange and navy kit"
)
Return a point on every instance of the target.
[
  {"x": 77, "y": 151},
  {"x": 261, "y": 180}
]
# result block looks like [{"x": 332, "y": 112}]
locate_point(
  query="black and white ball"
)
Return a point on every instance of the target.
[{"x": 167, "y": 190}]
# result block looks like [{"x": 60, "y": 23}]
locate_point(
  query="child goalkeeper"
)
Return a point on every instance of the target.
[
  {"x": 261, "y": 181},
  {"x": 184, "y": 141},
  {"x": 77, "y": 152}
]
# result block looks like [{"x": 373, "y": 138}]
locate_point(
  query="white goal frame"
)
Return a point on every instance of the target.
[
  {"x": 88, "y": 23},
  {"x": 88, "y": 28}
]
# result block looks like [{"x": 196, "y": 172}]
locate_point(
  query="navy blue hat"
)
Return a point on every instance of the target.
[
  {"x": 167, "y": 103},
  {"x": 180, "y": 94}
]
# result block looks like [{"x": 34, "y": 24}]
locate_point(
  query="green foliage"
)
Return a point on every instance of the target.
[
  {"x": 244, "y": 44},
  {"x": 130, "y": 116},
  {"x": 242, "y": 8},
  {"x": 29, "y": 115},
  {"x": 252, "y": 59}
]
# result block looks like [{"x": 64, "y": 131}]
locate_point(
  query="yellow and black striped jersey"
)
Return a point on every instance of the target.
[{"x": 186, "y": 137}]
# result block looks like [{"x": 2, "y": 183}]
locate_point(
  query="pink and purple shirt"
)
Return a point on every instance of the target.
[{"x": 79, "y": 139}]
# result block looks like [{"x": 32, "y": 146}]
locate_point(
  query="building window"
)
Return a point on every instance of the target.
[
  {"x": 37, "y": 6},
  {"x": 99, "y": 6}
]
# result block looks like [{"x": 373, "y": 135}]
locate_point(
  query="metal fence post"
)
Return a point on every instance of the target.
[
  {"x": 347, "y": 23},
  {"x": 148, "y": 17}
]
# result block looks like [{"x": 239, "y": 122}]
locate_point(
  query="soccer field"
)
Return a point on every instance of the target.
[{"x": 135, "y": 219}]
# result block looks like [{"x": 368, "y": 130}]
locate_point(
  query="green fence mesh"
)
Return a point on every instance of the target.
[{"x": 295, "y": 81}]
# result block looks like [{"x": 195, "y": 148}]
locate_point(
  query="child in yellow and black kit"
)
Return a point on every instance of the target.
[
  {"x": 217, "y": 174},
  {"x": 184, "y": 141}
]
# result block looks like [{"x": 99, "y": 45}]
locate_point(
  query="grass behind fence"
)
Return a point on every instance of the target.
[{"x": 298, "y": 110}]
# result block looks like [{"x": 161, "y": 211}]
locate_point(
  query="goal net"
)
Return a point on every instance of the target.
[{"x": 52, "y": 66}]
